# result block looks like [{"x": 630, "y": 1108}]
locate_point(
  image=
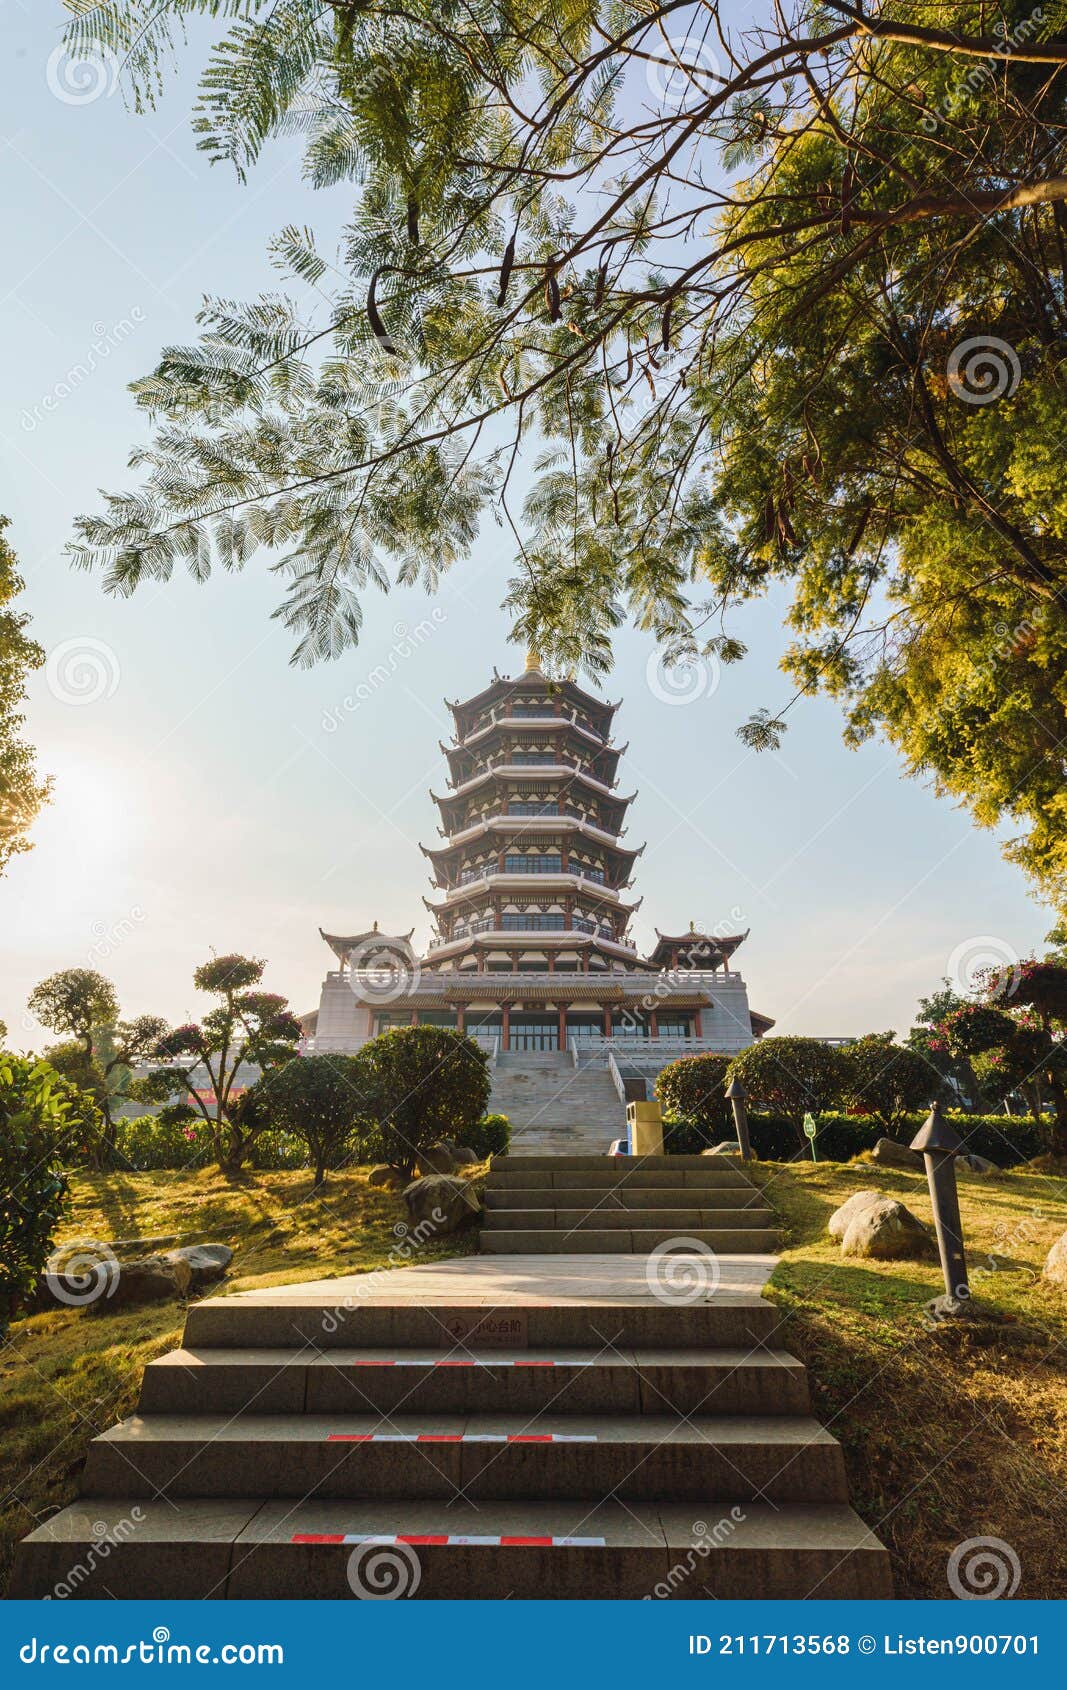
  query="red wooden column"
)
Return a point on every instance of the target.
[
  {"x": 607, "y": 1023},
  {"x": 461, "y": 1019},
  {"x": 653, "y": 1023},
  {"x": 414, "y": 1018},
  {"x": 698, "y": 1028},
  {"x": 505, "y": 1031},
  {"x": 563, "y": 1008}
]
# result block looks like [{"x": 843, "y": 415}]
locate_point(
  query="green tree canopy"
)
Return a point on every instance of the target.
[
  {"x": 204, "y": 1057},
  {"x": 22, "y": 791},
  {"x": 887, "y": 1080},
  {"x": 777, "y": 302}
]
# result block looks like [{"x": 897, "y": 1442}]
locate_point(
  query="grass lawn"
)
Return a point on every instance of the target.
[
  {"x": 953, "y": 1431},
  {"x": 67, "y": 1375}
]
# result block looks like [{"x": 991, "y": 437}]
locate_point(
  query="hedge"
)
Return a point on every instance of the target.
[{"x": 1004, "y": 1139}]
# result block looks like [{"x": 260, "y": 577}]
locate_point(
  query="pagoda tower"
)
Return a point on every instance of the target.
[
  {"x": 532, "y": 949},
  {"x": 533, "y": 873}
]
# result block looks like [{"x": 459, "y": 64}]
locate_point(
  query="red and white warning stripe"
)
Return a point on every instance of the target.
[
  {"x": 425, "y": 1361},
  {"x": 461, "y": 1437},
  {"x": 452, "y": 1542}
]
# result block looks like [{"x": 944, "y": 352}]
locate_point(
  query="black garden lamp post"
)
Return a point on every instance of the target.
[
  {"x": 737, "y": 1094},
  {"x": 939, "y": 1145}
]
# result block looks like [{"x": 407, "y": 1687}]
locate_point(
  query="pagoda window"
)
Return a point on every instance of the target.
[
  {"x": 531, "y": 862},
  {"x": 530, "y": 759},
  {"x": 541, "y": 807}
]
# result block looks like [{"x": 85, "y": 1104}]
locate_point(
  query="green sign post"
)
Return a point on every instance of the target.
[{"x": 810, "y": 1129}]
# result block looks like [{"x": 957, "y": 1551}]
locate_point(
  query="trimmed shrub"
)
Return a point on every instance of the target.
[
  {"x": 148, "y": 1142},
  {"x": 488, "y": 1137},
  {"x": 420, "y": 1085},
  {"x": 316, "y": 1099},
  {"x": 1004, "y": 1139},
  {"x": 693, "y": 1090},
  {"x": 791, "y": 1077}
]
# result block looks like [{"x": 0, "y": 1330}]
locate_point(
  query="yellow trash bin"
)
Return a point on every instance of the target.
[{"x": 645, "y": 1123}]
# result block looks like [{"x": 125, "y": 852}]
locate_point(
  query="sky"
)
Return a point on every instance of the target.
[{"x": 209, "y": 797}]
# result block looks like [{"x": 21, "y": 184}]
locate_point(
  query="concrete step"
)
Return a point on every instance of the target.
[
  {"x": 617, "y": 1164},
  {"x": 528, "y": 1382},
  {"x": 627, "y": 1197},
  {"x": 583, "y": 1241},
  {"x": 272, "y": 1549},
  {"x": 606, "y": 1217},
  {"x": 320, "y": 1322},
  {"x": 633, "y": 1457},
  {"x": 604, "y": 1177}
]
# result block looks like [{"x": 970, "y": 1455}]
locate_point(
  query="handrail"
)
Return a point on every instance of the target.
[
  {"x": 616, "y": 1076},
  {"x": 494, "y": 1053}
]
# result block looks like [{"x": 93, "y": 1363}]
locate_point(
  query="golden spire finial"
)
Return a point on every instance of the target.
[{"x": 533, "y": 660}]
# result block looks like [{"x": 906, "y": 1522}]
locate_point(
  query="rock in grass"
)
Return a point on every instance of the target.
[
  {"x": 207, "y": 1262},
  {"x": 383, "y": 1175},
  {"x": 886, "y": 1231},
  {"x": 977, "y": 1164},
  {"x": 437, "y": 1159},
  {"x": 839, "y": 1221},
  {"x": 889, "y": 1154},
  {"x": 439, "y": 1205},
  {"x": 1055, "y": 1268}
]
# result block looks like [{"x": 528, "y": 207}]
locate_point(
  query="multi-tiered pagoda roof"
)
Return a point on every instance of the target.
[
  {"x": 532, "y": 881},
  {"x": 533, "y": 874}
]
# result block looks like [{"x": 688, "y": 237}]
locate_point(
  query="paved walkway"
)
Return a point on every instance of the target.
[{"x": 513, "y": 1279}]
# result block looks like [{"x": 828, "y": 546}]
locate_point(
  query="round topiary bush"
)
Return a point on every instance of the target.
[
  {"x": 692, "y": 1094},
  {"x": 488, "y": 1137}
]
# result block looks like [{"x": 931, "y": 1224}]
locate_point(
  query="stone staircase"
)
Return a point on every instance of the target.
[
  {"x": 554, "y": 1107},
  {"x": 623, "y": 1204},
  {"x": 526, "y": 1425},
  {"x": 475, "y": 1428}
]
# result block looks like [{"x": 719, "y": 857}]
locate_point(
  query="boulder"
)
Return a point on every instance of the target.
[
  {"x": 977, "y": 1164},
  {"x": 441, "y": 1204},
  {"x": 383, "y": 1175},
  {"x": 207, "y": 1262},
  {"x": 107, "y": 1284},
  {"x": 886, "y": 1231},
  {"x": 437, "y": 1159},
  {"x": 1055, "y": 1268},
  {"x": 890, "y": 1154},
  {"x": 839, "y": 1221},
  {"x": 728, "y": 1147},
  {"x": 466, "y": 1158}
]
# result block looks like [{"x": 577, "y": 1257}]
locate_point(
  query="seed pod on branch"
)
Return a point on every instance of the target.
[
  {"x": 378, "y": 328},
  {"x": 552, "y": 296},
  {"x": 413, "y": 220},
  {"x": 665, "y": 331},
  {"x": 505, "y": 271}
]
